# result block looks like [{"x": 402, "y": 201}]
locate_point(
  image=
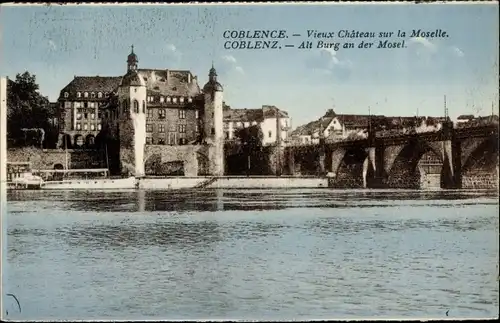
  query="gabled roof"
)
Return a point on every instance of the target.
[
  {"x": 243, "y": 115},
  {"x": 104, "y": 84},
  {"x": 158, "y": 82},
  {"x": 269, "y": 111},
  {"x": 465, "y": 117}
]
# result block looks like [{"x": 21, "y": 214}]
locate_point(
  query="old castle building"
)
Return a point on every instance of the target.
[
  {"x": 173, "y": 97},
  {"x": 145, "y": 107}
]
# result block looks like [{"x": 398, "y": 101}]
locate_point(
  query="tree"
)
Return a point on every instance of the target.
[{"x": 28, "y": 109}]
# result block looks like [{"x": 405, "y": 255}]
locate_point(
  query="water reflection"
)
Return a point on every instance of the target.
[{"x": 213, "y": 200}]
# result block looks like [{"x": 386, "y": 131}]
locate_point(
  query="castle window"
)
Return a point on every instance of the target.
[
  {"x": 91, "y": 105},
  {"x": 149, "y": 127},
  {"x": 78, "y": 116},
  {"x": 85, "y": 104},
  {"x": 182, "y": 114},
  {"x": 213, "y": 131},
  {"x": 197, "y": 128},
  {"x": 144, "y": 107},
  {"x": 182, "y": 141},
  {"x": 175, "y": 100},
  {"x": 181, "y": 99},
  {"x": 162, "y": 113},
  {"x": 162, "y": 99},
  {"x": 66, "y": 94},
  {"x": 92, "y": 95},
  {"x": 77, "y": 104},
  {"x": 67, "y": 105},
  {"x": 270, "y": 133},
  {"x": 99, "y": 126},
  {"x": 161, "y": 128},
  {"x": 125, "y": 107},
  {"x": 136, "y": 106},
  {"x": 169, "y": 99},
  {"x": 78, "y": 126},
  {"x": 172, "y": 138},
  {"x": 247, "y": 124},
  {"x": 86, "y": 94},
  {"x": 149, "y": 140},
  {"x": 99, "y": 95},
  {"x": 92, "y": 127},
  {"x": 182, "y": 128},
  {"x": 190, "y": 100},
  {"x": 150, "y": 113},
  {"x": 92, "y": 116},
  {"x": 161, "y": 141},
  {"x": 85, "y": 126},
  {"x": 78, "y": 95},
  {"x": 85, "y": 115},
  {"x": 197, "y": 114}
]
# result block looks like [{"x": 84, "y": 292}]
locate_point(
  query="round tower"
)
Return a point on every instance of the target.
[
  {"x": 213, "y": 122},
  {"x": 132, "y": 94}
]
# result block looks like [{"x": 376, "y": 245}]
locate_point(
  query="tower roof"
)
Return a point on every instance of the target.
[
  {"x": 132, "y": 57},
  {"x": 212, "y": 84}
]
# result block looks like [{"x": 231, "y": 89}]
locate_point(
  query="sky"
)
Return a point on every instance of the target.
[{"x": 58, "y": 42}]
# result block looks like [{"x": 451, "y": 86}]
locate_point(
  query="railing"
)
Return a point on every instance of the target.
[{"x": 206, "y": 183}]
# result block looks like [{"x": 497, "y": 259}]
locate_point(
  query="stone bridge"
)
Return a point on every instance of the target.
[{"x": 449, "y": 158}]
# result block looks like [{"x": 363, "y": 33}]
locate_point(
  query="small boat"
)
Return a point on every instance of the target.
[
  {"x": 25, "y": 180},
  {"x": 91, "y": 184},
  {"x": 84, "y": 179}
]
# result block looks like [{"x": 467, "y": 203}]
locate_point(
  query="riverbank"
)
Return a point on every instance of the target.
[{"x": 163, "y": 183}]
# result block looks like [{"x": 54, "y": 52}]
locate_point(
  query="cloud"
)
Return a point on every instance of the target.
[
  {"x": 326, "y": 62},
  {"x": 457, "y": 51},
  {"x": 230, "y": 64},
  {"x": 52, "y": 44},
  {"x": 173, "y": 52},
  {"x": 424, "y": 42}
]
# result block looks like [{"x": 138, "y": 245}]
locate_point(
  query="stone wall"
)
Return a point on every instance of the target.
[
  {"x": 48, "y": 158},
  {"x": 480, "y": 180}
]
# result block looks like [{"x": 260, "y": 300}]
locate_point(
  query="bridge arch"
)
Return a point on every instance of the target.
[
  {"x": 480, "y": 169},
  {"x": 349, "y": 173},
  {"x": 417, "y": 164},
  {"x": 90, "y": 141}
]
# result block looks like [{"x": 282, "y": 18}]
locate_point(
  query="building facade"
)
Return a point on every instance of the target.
[
  {"x": 274, "y": 123},
  {"x": 173, "y": 97}
]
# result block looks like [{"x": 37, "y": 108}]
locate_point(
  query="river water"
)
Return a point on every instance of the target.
[{"x": 251, "y": 254}]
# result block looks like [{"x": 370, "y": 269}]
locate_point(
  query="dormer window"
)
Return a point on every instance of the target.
[
  {"x": 86, "y": 94},
  {"x": 92, "y": 95},
  {"x": 181, "y": 99},
  {"x": 169, "y": 99},
  {"x": 99, "y": 95},
  {"x": 162, "y": 99},
  {"x": 175, "y": 100},
  {"x": 78, "y": 94},
  {"x": 66, "y": 94}
]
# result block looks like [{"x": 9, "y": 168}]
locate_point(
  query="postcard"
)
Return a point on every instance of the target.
[{"x": 280, "y": 161}]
